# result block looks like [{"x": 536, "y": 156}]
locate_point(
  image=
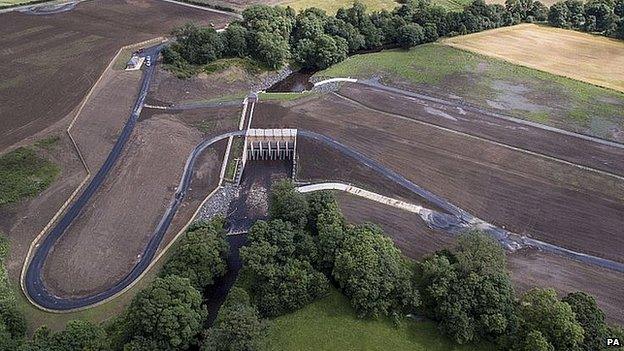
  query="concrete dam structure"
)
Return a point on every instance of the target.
[{"x": 270, "y": 144}]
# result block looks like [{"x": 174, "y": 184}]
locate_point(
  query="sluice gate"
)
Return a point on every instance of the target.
[{"x": 268, "y": 144}]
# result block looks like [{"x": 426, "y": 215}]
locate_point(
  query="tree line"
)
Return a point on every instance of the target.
[
  {"x": 312, "y": 39},
  {"x": 293, "y": 259},
  {"x": 272, "y": 35},
  {"x": 605, "y": 17}
]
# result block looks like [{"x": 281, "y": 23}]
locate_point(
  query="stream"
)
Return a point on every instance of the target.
[{"x": 296, "y": 82}]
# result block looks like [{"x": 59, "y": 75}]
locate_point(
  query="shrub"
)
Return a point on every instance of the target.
[{"x": 200, "y": 256}]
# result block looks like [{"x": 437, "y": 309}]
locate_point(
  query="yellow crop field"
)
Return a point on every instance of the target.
[{"x": 581, "y": 56}]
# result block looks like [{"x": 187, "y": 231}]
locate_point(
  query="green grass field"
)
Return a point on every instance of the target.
[
  {"x": 494, "y": 84},
  {"x": 330, "y": 324},
  {"x": 23, "y": 173}
]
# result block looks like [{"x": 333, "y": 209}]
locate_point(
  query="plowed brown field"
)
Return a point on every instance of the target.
[{"x": 50, "y": 62}]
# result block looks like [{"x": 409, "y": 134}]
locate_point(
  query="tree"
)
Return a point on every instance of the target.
[
  {"x": 430, "y": 32},
  {"x": 198, "y": 45},
  {"x": 269, "y": 48},
  {"x": 534, "y": 341},
  {"x": 388, "y": 25},
  {"x": 618, "y": 8},
  {"x": 357, "y": 16},
  {"x": 168, "y": 313},
  {"x": 540, "y": 310},
  {"x": 235, "y": 40},
  {"x": 318, "y": 202},
  {"x": 590, "y": 317},
  {"x": 269, "y": 19},
  {"x": 372, "y": 273},
  {"x": 11, "y": 319},
  {"x": 410, "y": 35},
  {"x": 12, "y": 322},
  {"x": 619, "y": 32},
  {"x": 320, "y": 52},
  {"x": 559, "y": 15},
  {"x": 602, "y": 13},
  {"x": 287, "y": 204},
  {"x": 577, "y": 13},
  {"x": 7, "y": 342},
  {"x": 339, "y": 28},
  {"x": 331, "y": 231},
  {"x": 171, "y": 56},
  {"x": 278, "y": 257},
  {"x": 468, "y": 290},
  {"x": 520, "y": 9},
  {"x": 477, "y": 252},
  {"x": 238, "y": 326},
  {"x": 201, "y": 255},
  {"x": 288, "y": 287},
  {"x": 309, "y": 24},
  {"x": 142, "y": 344},
  {"x": 78, "y": 335}
]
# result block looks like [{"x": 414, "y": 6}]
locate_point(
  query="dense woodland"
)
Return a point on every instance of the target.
[
  {"x": 314, "y": 40},
  {"x": 293, "y": 259}
]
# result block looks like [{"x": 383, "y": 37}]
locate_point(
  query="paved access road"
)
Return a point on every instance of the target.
[{"x": 33, "y": 281}]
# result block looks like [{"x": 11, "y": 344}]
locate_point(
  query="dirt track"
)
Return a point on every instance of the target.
[
  {"x": 52, "y": 61},
  {"x": 528, "y": 195}
]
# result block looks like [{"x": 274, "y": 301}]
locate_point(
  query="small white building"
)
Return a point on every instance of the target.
[{"x": 135, "y": 63}]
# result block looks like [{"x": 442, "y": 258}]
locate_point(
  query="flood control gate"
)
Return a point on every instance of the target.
[{"x": 270, "y": 144}]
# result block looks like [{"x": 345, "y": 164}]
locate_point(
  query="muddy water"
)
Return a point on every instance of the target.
[{"x": 295, "y": 82}]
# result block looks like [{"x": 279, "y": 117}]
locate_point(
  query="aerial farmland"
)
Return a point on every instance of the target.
[{"x": 425, "y": 174}]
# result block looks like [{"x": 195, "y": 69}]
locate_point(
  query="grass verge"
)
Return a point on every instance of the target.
[
  {"x": 234, "y": 158},
  {"x": 331, "y": 324},
  {"x": 48, "y": 143},
  {"x": 24, "y": 174}
]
